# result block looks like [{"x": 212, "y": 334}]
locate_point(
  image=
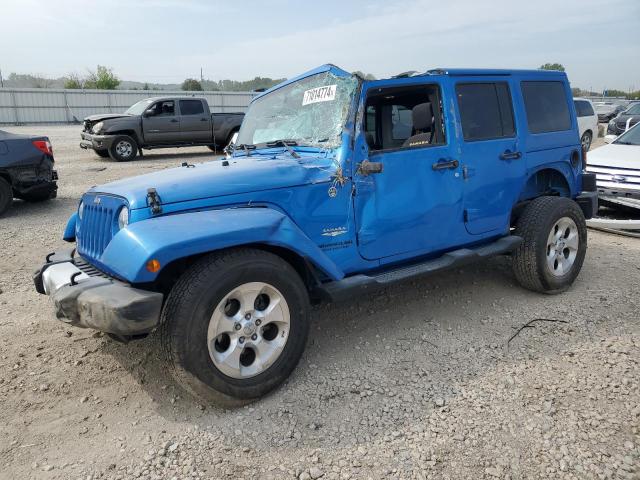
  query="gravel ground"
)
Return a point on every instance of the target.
[{"x": 419, "y": 381}]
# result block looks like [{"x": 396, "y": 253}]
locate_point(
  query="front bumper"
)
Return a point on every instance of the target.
[
  {"x": 84, "y": 297},
  {"x": 95, "y": 142}
]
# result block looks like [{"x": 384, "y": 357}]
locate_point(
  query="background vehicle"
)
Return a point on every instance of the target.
[
  {"x": 587, "y": 121},
  {"x": 159, "y": 122},
  {"x": 336, "y": 186},
  {"x": 624, "y": 120},
  {"x": 26, "y": 169},
  {"x": 617, "y": 168},
  {"x": 607, "y": 110}
]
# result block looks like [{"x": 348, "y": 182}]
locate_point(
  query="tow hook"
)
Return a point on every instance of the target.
[{"x": 153, "y": 200}]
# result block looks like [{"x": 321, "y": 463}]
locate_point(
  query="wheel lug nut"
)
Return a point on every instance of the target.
[
  {"x": 258, "y": 322},
  {"x": 241, "y": 340},
  {"x": 247, "y": 316},
  {"x": 237, "y": 326},
  {"x": 254, "y": 337}
]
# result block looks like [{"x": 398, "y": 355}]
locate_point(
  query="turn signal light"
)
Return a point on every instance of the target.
[
  {"x": 153, "y": 266},
  {"x": 44, "y": 146}
]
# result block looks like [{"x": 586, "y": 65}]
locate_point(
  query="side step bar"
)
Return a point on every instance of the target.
[{"x": 357, "y": 284}]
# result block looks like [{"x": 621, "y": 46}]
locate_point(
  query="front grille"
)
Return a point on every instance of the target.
[
  {"x": 612, "y": 178},
  {"x": 87, "y": 268},
  {"x": 98, "y": 223}
]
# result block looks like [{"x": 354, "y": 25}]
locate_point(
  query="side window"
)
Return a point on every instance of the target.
[
  {"x": 191, "y": 107},
  {"x": 583, "y": 109},
  {"x": 404, "y": 117},
  {"x": 486, "y": 110},
  {"x": 165, "y": 108},
  {"x": 546, "y": 106}
]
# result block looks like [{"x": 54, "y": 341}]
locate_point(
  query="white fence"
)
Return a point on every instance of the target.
[{"x": 39, "y": 105}]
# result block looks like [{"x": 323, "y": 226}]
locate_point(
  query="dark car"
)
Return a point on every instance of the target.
[
  {"x": 625, "y": 120},
  {"x": 160, "y": 122},
  {"x": 607, "y": 110},
  {"x": 26, "y": 169}
]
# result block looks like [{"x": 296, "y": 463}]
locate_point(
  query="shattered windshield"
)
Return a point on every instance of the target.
[{"x": 311, "y": 111}]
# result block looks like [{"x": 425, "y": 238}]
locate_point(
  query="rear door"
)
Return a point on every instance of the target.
[
  {"x": 162, "y": 123},
  {"x": 492, "y": 162},
  {"x": 195, "y": 122}
]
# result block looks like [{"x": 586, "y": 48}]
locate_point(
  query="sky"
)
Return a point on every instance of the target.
[{"x": 166, "y": 41}]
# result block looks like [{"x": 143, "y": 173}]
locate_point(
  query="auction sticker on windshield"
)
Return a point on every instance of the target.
[{"x": 320, "y": 94}]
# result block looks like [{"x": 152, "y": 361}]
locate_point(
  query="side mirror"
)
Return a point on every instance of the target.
[
  {"x": 148, "y": 113},
  {"x": 368, "y": 168}
]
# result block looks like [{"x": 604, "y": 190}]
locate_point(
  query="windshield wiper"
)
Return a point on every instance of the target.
[
  {"x": 286, "y": 144},
  {"x": 247, "y": 147}
]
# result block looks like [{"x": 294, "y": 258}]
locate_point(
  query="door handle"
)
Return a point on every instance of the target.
[
  {"x": 509, "y": 155},
  {"x": 444, "y": 164},
  {"x": 173, "y": 120}
]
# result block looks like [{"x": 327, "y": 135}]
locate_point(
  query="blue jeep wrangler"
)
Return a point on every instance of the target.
[{"x": 335, "y": 186}]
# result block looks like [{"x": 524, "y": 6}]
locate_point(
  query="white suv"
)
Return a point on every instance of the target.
[{"x": 587, "y": 121}]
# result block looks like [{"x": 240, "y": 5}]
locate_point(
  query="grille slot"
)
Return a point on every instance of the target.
[{"x": 89, "y": 269}]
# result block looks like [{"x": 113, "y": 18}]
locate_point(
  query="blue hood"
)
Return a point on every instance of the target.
[{"x": 212, "y": 179}]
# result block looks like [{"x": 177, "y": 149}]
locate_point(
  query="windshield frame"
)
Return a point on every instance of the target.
[
  {"x": 146, "y": 101},
  {"x": 300, "y": 144}
]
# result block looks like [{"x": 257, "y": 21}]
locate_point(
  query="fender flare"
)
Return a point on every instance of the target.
[
  {"x": 562, "y": 169},
  {"x": 70, "y": 230},
  {"x": 173, "y": 237}
]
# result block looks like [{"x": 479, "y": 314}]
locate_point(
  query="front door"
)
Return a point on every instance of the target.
[
  {"x": 161, "y": 123},
  {"x": 414, "y": 206},
  {"x": 195, "y": 123},
  {"x": 491, "y": 159}
]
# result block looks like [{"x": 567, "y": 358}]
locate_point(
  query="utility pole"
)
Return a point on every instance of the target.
[
  {"x": 201, "y": 77},
  {"x": 1, "y": 81}
]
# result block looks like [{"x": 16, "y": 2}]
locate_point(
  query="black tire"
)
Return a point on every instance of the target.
[
  {"x": 123, "y": 149},
  {"x": 586, "y": 140},
  {"x": 6, "y": 196},
  {"x": 530, "y": 261},
  {"x": 188, "y": 310},
  {"x": 102, "y": 153}
]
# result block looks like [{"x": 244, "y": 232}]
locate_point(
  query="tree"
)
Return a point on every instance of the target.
[
  {"x": 145, "y": 86},
  {"x": 615, "y": 93},
  {"x": 73, "y": 81},
  {"x": 552, "y": 66},
  {"x": 102, "y": 78},
  {"x": 191, "y": 85}
]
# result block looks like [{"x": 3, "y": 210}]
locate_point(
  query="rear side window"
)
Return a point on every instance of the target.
[
  {"x": 191, "y": 107},
  {"x": 583, "y": 109},
  {"x": 486, "y": 110},
  {"x": 546, "y": 106}
]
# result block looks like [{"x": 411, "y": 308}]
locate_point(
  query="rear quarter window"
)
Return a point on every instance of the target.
[
  {"x": 546, "y": 106},
  {"x": 191, "y": 107},
  {"x": 583, "y": 109},
  {"x": 485, "y": 110}
]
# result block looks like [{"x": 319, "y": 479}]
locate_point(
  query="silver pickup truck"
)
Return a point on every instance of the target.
[{"x": 159, "y": 122}]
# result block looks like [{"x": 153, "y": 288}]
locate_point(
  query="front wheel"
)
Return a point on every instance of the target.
[
  {"x": 123, "y": 148},
  {"x": 235, "y": 325},
  {"x": 554, "y": 245}
]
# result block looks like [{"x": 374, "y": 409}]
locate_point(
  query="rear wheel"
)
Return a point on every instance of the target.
[
  {"x": 586, "y": 141},
  {"x": 235, "y": 325},
  {"x": 6, "y": 195},
  {"x": 554, "y": 244},
  {"x": 123, "y": 148}
]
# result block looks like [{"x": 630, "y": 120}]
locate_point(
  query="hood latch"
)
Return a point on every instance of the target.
[{"x": 153, "y": 200}]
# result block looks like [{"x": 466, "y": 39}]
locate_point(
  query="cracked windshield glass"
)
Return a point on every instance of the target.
[{"x": 311, "y": 111}]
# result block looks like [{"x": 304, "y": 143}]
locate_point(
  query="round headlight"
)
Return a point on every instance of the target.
[
  {"x": 80, "y": 209},
  {"x": 97, "y": 127},
  {"x": 123, "y": 218}
]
